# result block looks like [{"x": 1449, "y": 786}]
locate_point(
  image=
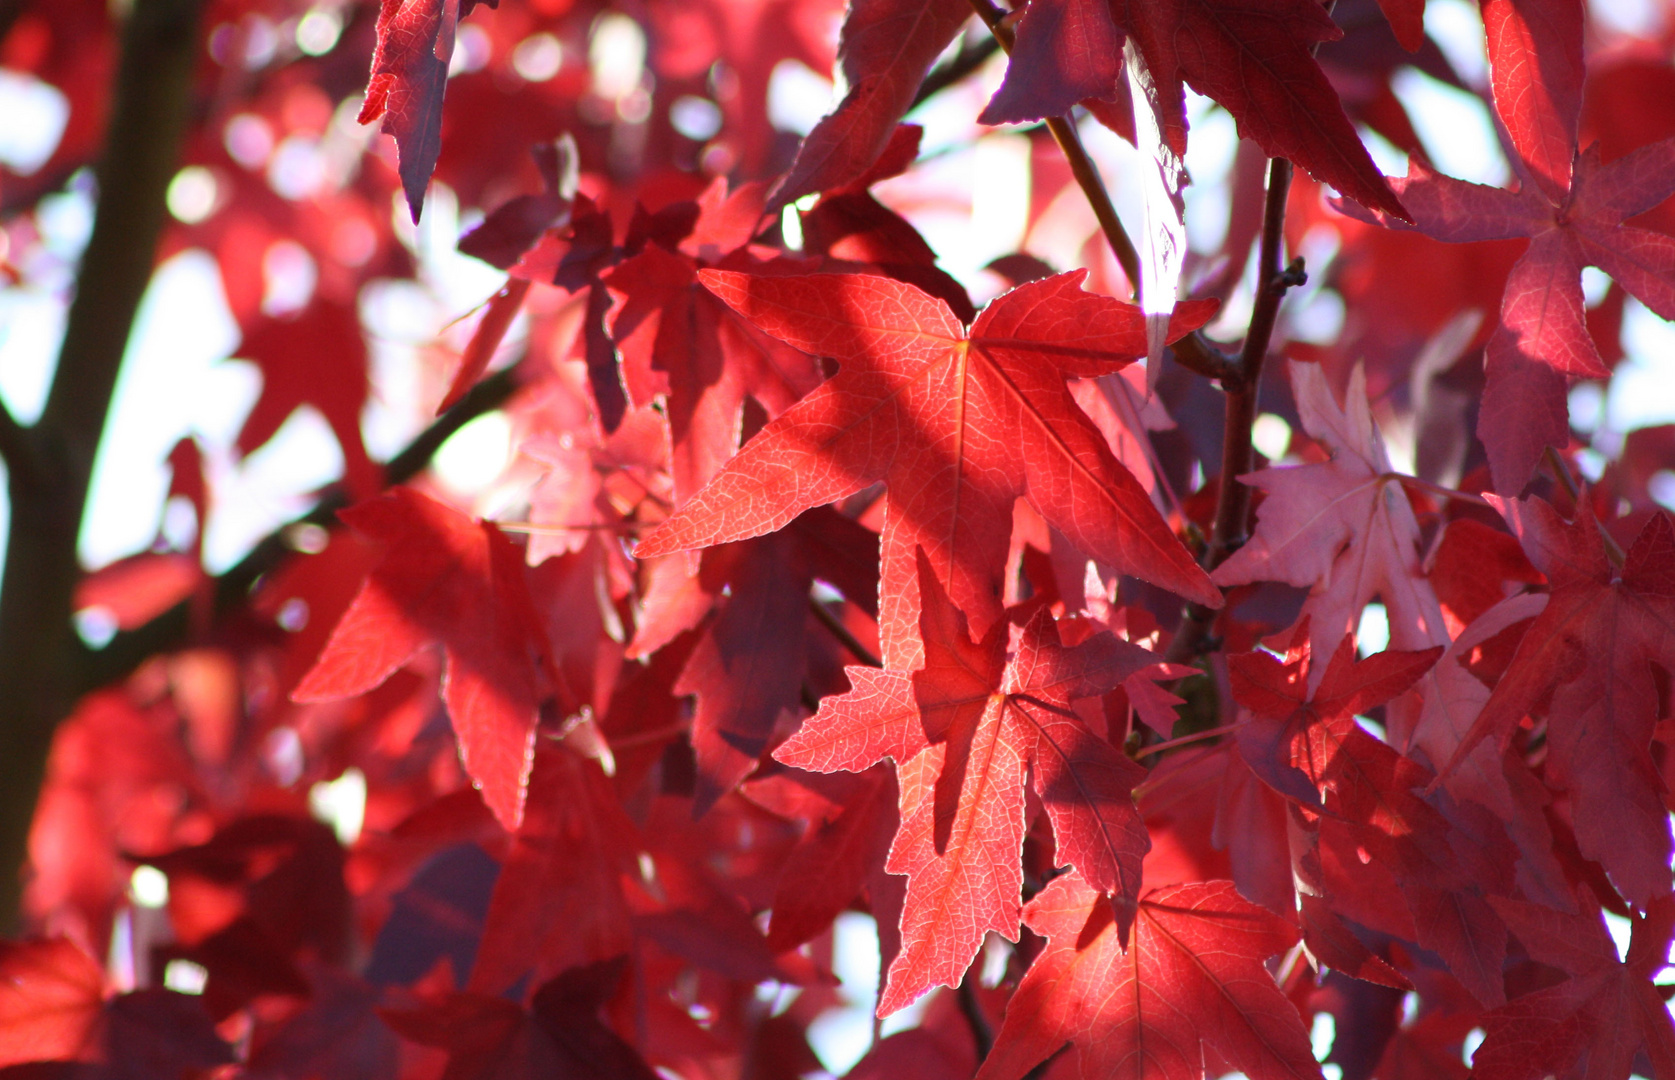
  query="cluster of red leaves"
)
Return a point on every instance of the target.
[{"x": 827, "y": 591}]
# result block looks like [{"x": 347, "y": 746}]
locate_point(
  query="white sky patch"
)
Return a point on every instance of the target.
[
  {"x": 798, "y": 96},
  {"x": 148, "y": 887},
  {"x": 1621, "y": 931},
  {"x": 1271, "y": 435},
  {"x": 36, "y": 113},
  {"x": 1642, "y": 390},
  {"x": 472, "y": 457},
  {"x": 1641, "y": 18},
  {"x": 166, "y": 390},
  {"x": 318, "y": 31},
  {"x": 341, "y": 803},
  {"x": 538, "y": 57},
  {"x": 1455, "y": 127},
  {"x": 1000, "y": 183},
  {"x": 1474, "y": 1039},
  {"x": 840, "y": 1037},
  {"x": 1373, "y": 634},
  {"x": 617, "y": 54},
  {"x": 31, "y": 326},
  {"x": 1210, "y": 151},
  {"x": 185, "y": 977},
  {"x": 1457, "y": 28},
  {"x": 1390, "y": 161},
  {"x": 270, "y": 487}
]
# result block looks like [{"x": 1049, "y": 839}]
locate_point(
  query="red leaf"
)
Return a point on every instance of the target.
[
  {"x": 1543, "y": 340},
  {"x": 957, "y": 426},
  {"x": 680, "y": 343},
  {"x": 1191, "y": 985},
  {"x": 963, "y": 731},
  {"x": 1065, "y": 50},
  {"x": 502, "y": 308},
  {"x": 51, "y": 998},
  {"x": 1589, "y": 657},
  {"x": 1343, "y": 528},
  {"x": 1253, "y": 57},
  {"x": 885, "y": 49},
  {"x": 490, "y": 1038},
  {"x": 558, "y": 901},
  {"x": 515, "y": 225},
  {"x": 450, "y": 581},
  {"x": 409, "y": 75},
  {"x": 316, "y": 357},
  {"x": 1608, "y": 1009}
]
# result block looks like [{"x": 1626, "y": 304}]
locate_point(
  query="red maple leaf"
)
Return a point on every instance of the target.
[
  {"x": 1063, "y": 51},
  {"x": 51, "y": 996},
  {"x": 409, "y": 76},
  {"x": 54, "y": 1012},
  {"x": 1364, "y": 799},
  {"x": 316, "y": 357},
  {"x": 748, "y": 667},
  {"x": 958, "y": 426},
  {"x": 1190, "y": 989},
  {"x": 1254, "y": 59},
  {"x": 491, "y": 1038},
  {"x": 884, "y": 50},
  {"x": 1342, "y": 528},
  {"x": 558, "y": 901},
  {"x": 448, "y": 580},
  {"x": 1572, "y": 207},
  {"x": 964, "y": 730},
  {"x": 678, "y": 342},
  {"x": 851, "y": 821},
  {"x": 1608, "y": 1009},
  {"x": 1588, "y": 662}
]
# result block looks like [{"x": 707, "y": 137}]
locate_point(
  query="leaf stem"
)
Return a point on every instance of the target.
[
  {"x": 1561, "y": 472},
  {"x": 1081, "y": 165},
  {"x": 841, "y": 632},
  {"x": 1185, "y": 740},
  {"x": 1437, "y": 490}
]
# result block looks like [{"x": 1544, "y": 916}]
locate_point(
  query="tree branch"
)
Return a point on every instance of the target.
[
  {"x": 1228, "y": 532},
  {"x": 841, "y": 632},
  {"x": 17, "y": 445},
  {"x": 38, "y": 648},
  {"x": 1081, "y": 165},
  {"x": 9, "y": 12},
  {"x": 1195, "y": 353}
]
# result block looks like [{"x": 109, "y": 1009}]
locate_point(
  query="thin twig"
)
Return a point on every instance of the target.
[
  {"x": 1185, "y": 740},
  {"x": 1076, "y": 155},
  {"x": 982, "y": 1035},
  {"x": 841, "y": 632},
  {"x": 967, "y": 60},
  {"x": 1195, "y": 353},
  {"x": 1436, "y": 490}
]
